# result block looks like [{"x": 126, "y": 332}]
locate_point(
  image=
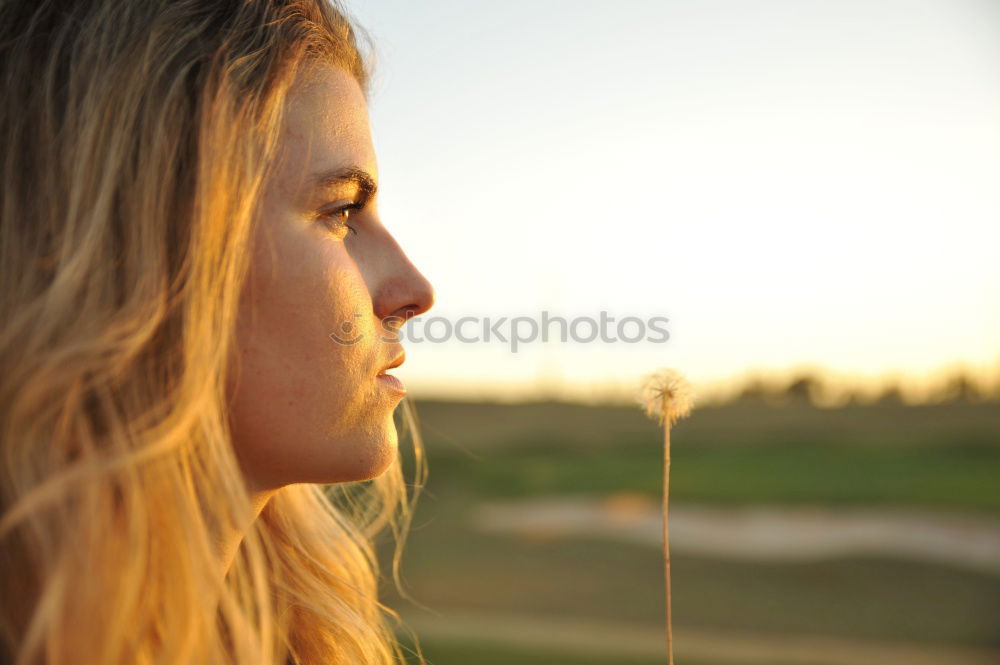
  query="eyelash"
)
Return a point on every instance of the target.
[{"x": 334, "y": 216}]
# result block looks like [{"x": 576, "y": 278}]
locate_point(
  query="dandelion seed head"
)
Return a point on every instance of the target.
[{"x": 666, "y": 396}]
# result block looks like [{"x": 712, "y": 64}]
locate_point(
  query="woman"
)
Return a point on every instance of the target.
[{"x": 198, "y": 308}]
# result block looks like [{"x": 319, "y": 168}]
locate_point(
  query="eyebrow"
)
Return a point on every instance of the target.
[{"x": 349, "y": 175}]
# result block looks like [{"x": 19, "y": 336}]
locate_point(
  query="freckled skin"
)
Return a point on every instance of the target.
[{"x": 304, "y": 408}]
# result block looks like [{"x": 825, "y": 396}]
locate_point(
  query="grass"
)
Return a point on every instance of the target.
[
  {"x": 958, "y": 477},
  {"x": 800, "y": 461},
  {"x": 859, "y": 597},
  {"x": 463, "y": 653},
  {"x": 480, "y": 426},
  {"x": 944, "y": 457},
  {"x": 450, "y": 566}
]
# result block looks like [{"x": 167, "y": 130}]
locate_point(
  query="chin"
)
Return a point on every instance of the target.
[{"x": 377, "y": 450}]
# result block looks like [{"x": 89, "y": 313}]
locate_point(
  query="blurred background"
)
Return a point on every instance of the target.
[{"x": 807, "y": 191}]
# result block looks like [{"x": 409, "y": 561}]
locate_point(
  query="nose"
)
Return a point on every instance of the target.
[{"x": 403, "y": 292}]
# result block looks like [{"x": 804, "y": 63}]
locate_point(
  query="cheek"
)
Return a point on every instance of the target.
[{"x": 304, "y": 408}]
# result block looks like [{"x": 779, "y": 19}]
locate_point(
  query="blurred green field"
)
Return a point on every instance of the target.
[
  {"x": 439, "y": 653},
  {"x": 943, "y": 458},
  {"x": 483, "y": 425},
  {"x": 470, "y": 652},
  {"x": 957, "y": 477}
]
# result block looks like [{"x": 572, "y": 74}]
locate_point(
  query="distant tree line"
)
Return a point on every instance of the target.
[{"x": 812, "y": 388}]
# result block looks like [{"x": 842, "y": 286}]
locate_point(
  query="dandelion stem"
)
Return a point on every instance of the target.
[{"x": 666, "y": 537}]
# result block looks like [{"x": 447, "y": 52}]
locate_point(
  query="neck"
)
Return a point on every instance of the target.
[{"x": 229, "y": 541}]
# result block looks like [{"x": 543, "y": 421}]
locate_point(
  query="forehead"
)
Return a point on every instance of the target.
[{"x": 326, "y": 123}]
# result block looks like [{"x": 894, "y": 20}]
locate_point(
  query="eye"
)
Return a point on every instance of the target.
[{"x": 336, "y": 219}]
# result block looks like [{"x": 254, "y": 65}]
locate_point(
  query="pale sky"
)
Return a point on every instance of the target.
[{"x": 793, "y": 183}]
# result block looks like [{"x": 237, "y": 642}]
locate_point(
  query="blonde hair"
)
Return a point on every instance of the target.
[{"x": 135, "y": 139}]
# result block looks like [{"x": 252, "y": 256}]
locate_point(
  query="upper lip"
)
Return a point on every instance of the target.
[{"x": 395, "y": 363}]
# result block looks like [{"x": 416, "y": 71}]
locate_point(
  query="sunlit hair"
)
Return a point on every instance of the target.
[{"x": 136, "y": 135}]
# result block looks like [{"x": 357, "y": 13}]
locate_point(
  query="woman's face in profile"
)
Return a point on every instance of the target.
[{"x": 328, "y": 289}]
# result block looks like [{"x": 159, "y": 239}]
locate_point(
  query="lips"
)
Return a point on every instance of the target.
[
  {"x": 388, "y": 380},
  {"x": 395, "y": 363}
]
